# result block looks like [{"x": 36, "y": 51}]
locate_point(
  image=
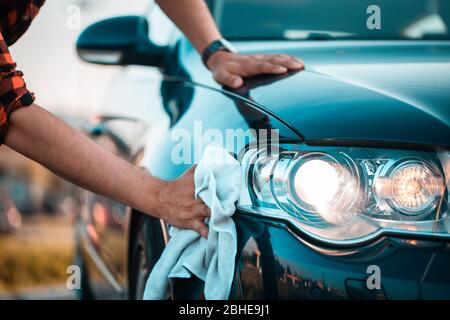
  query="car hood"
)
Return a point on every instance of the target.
[{"x": 369, "y": 91}]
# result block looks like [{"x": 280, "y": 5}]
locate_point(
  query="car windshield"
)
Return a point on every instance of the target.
[{"x": 332, "y": 19}]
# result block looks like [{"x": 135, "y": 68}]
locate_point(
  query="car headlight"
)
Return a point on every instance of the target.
[{"x": 349, "y": 195}]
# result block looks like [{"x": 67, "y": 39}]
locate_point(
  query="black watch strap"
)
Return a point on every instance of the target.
[{"x": 215, "y": 46}]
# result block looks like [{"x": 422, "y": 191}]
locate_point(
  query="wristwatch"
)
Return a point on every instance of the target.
[{"x": 216, "y": 45}]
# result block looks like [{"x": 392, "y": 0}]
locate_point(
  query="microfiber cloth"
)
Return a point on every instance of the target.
[{"x": 218, "y": 184}]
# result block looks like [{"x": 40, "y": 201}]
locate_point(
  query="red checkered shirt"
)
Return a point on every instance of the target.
[{"x": 15, "y": 18}]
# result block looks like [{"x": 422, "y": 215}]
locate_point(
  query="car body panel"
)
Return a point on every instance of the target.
[
  {"x": 203, "y": 123},
  {"x": 104, "y": 224}
]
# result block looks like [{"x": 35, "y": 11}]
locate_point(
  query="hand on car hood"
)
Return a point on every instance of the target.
[{"x": 371, "y": 93}]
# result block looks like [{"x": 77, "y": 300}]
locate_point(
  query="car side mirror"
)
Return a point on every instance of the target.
[{"x": 120, "y": 41}]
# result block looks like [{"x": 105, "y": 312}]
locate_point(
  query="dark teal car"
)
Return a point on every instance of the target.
[{"x": 349, "y": 197}]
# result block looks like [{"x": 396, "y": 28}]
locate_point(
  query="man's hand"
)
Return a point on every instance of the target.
[
  {"x": 229, "y": 68},
  {"x": 180, "y": 208}
]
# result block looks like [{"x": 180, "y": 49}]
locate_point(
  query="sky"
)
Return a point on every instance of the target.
[{"x": 46, "y": 54}]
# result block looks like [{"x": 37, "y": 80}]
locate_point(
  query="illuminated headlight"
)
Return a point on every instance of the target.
[
  {"x": 323, "y": 184},
  {"x": 347, "y": 195},
  {"x": 412, "y": 186}
]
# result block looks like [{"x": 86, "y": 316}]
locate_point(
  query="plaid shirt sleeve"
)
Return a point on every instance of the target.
[{"x": 15, "y": 18}]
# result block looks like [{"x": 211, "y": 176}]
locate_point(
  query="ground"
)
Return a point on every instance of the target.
[{"x": 34, "y": 260}]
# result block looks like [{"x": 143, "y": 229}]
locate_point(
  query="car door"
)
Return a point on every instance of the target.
[
  {"x": 106, "y": 220},
  {"x": 131, "y": 112}
]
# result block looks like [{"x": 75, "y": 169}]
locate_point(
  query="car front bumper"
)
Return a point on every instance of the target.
[{"x": 274, "y": 262}]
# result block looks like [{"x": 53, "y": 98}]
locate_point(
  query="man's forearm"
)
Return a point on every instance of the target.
[
  {"x": 44, "y": 138},
  {"x": 194, "y": 19}
]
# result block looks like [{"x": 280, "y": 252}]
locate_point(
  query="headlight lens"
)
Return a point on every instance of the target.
[
  {"x": 317, "y": 182},
  {"x": 411, "y": 186},
  {"x": 325, "y": 185},
  {"x": 347, "y": 195}
]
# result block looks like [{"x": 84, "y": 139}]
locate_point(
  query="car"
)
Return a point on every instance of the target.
[{"x": 345, "y": 164}]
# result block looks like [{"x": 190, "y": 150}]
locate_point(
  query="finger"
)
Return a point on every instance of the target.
[
  {"x": 257, "y": 67},
  {"x": 201, "y": 228},
  {"x": 202, "y": 211},
  {"x": 262, "y": 57},
  {"x": 267, "y": 57},
  {"x": 251, "y": 67},
  {"x": 229, "y": 79},
  {"x": 300, "y": 64},
  {"x": 195, "y": 208},
  {"x": 254, "y": 67},
  {"x": 288, "y": 62},
  {"x": 205, "y": 210}
]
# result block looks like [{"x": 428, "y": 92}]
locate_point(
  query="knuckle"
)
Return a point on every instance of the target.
[
  {"x": 259, "y": 65},
  {"x": 205, "y": 211},
  {"x": 284, "y": 59},
  {"x": 284, "y": 56}
]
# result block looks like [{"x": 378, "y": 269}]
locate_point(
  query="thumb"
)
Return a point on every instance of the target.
[{"x": 230, "y": 80}]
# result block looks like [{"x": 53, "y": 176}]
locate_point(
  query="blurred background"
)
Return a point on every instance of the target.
[{"x": 36, "y": 207}]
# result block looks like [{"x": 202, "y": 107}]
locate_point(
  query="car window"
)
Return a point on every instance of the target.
[{"x": 326, "y": 19}]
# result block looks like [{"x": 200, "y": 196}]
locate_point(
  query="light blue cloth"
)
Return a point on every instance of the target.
[{"x": 218, "y": 184}]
